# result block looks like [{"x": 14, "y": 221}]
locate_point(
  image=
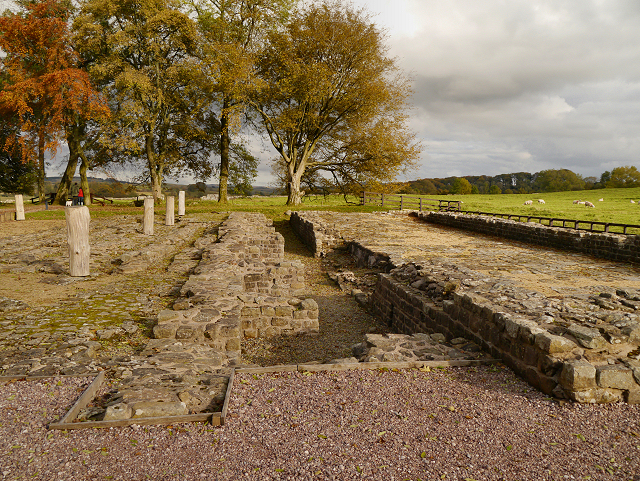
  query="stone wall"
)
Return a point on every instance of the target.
[
  {"x": 586, "y": 364},
  {"x": 242, "y": 287},
  {"x": 615, "y": 247},
  {"x": 315, "y": 233},
  {"x": 585, "y": 348}
]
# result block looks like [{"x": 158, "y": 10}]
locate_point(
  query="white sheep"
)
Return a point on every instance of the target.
[
  {"x": 528, "y": 202},
  {"x": 576, "y": 201},
  {"x": 589, "y": 204},
  {"x": 581, "y": 202},
  {"x": 633, "y": 201},
  {"x": 541, "y": 201},
  {"x": 600, "y": 200}
]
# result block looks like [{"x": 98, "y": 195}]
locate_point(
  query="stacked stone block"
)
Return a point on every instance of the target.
[
  {"x": 604, "y": 245},
  {"x": 316, "y": 234},
  {"x": 556, "y": 361},
  {"x": 242, "y": 287}
]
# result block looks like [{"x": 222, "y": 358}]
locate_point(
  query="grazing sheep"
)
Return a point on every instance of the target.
[
  {"x": 581, "y": 202},
  {"x": 600, "y": 200},
  {"x": 540, "y": 201},
  {"x": 633, "y": 201},
  {"x": 589, "y": 204},
  {"x": 528, "y": 202},
  {"x": 576, "y": 201}
]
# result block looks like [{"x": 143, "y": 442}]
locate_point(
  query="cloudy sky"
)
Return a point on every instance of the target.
[{"x": 519, "y": 85}]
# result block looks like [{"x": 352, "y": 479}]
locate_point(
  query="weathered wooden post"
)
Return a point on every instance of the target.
[
  {"x": 78, "y": 218},
  {"x": 147, "y": 223},
  {"x": 169, "y": 217},
  {"x": 364, "y": 197},
  {"x": 401, "y": 202},
  {"x": 181, "y": 202},
  {"x": 420, "y": 204},
  {"x": 382, "y": 199},
  {"x": 19, "y": 207}
]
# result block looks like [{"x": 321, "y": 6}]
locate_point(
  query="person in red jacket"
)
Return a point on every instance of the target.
[{"x": 80, "y": 196}]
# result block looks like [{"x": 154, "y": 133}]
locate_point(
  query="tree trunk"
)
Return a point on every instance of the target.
[
  {"x": 224, "y": 152},
  {"x": 63, "y": 189},
  {"x": 41, "y": 173},
  {"x": 294, "y": 194},
  {"x": 78, "y": 238},
  {"x": 84, "y": 182},
  {"x": 155, "y": 169}
]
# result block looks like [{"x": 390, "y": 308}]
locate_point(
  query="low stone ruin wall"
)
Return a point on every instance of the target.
[
  {"x": 316, "y": 234},
  {"x": 582, "y": 348},
  {"x": 604, "y": 245},
  {"x": 242, "y": 287}
]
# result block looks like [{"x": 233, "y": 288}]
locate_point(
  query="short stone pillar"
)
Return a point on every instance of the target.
[
  {"x": 147, "y": 222},
  {"x": 181, "y": 202},
  {"x": 169, "y": 217},
  {"x": 78, "y": 218},
  {"x": 19, "y": 207}
]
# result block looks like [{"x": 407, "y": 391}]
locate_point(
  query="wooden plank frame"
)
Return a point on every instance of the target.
[{"x": 215, "y": 419}]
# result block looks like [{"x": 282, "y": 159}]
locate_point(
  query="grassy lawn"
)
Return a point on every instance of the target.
[{"x": 615, "y": 207}]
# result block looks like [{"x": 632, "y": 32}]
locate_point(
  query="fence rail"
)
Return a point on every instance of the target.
[
  {"x": 565, "y": 223},
  {"x": 402, "y": 201}
]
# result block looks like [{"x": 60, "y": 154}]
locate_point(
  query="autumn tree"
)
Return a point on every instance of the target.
[
  {"x": 460, "y": 185},
  {"x": 233, "y": 31},
  {"x": 627, "y": 176},
  {"x": 43, "y": 82},
  {"x": 332, "y": 100},
  {"x": 144, "y": 56}
]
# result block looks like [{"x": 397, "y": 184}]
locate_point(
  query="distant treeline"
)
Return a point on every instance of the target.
[{"x": 523, "y": 182}]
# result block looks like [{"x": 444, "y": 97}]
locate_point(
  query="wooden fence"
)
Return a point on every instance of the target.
[
  {"x": 403, "y": 201},
  {"x": 588, "y": 225}
]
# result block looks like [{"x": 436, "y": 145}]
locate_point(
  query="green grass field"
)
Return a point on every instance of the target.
[{"x": 616, "y": 206}]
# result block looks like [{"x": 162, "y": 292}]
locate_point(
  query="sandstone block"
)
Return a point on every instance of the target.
[
  {"x": 233, "y": 344},
  {"x": 268, "y": 311},
  {"x": 284, "y": 311},
  {"x": 300, "y": 314},
  {"x": 280, "y": 321},
  {"x": 578, "y": 376},
  {"x": 167, "y": 315},
  {"x": 152, "y": 409},
  {"x": 185, "y": 332},
  {"x": 632, "y": 396},
  {"x": 552, "y": 344},
  {"x": 615, "y": 376},
  {"x": 313, "y": 314},
  {"x": 250, "y": 333},
  {"x": 118, "y": 412},
  {"x": 250, "y": 312},
  {"x": 164, "y": 331},
  {"x": 597, "y": 396},
  {"x": 268, "y": 332},
  {"x": 587, "y": 337},
  {"x": 309, "y": 305}
]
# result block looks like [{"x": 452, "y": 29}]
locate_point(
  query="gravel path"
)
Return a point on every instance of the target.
[{"x": 453, "y": 424}]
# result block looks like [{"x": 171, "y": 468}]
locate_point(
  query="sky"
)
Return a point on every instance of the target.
[
  {"x": 510, "y": 85},
  {"x": 514, "y": 85}
]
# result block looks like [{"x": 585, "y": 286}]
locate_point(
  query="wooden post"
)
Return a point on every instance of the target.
[
  {"x": 78, "y": 218},
  {"x": 147, "y": 223},
  {"x": 169, "y": 217},
  {"x": 401, "y": 202},
  {"x": 181, "y": 202},
  {"x": 19, "y": 207},
  {"x": 382, "y": 199},
  {"x": 420, "y": 204},
  {"x": 364, "y": 197}
]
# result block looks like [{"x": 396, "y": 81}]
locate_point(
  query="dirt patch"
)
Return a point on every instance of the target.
[{"x": 30, "y": 226}]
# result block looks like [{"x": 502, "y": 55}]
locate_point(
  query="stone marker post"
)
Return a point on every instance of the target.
[
  {"x": 147, "y": 223},
  {"x": 78, "y": 218},
  {"x": 181, "y": 202},
  {"x": 19, "y": 207},
  {"x": 169, "y": 217}
]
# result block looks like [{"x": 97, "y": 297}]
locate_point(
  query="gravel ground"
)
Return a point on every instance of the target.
[{"x": 452, "y": 424}]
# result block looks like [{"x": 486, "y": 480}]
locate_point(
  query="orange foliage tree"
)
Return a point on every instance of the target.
[{"x": 44, "y": 83}]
